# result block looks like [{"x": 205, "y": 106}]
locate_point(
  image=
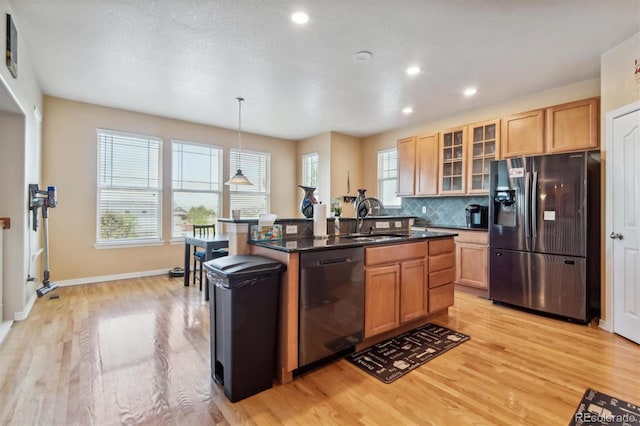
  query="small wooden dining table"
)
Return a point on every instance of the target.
[{"x": 209, "y": 244}]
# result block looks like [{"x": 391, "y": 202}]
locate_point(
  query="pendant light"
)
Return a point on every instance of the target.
[{"x": 239, "y": 178}]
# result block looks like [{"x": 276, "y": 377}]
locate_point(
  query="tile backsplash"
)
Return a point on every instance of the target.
[{"x": 440, "y": 211}]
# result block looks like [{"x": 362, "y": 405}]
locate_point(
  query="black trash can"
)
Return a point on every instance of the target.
[{"x": 244, "y": 313}]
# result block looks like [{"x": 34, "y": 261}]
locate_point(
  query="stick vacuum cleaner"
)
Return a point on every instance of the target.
[{"x": 41, "y": 199}]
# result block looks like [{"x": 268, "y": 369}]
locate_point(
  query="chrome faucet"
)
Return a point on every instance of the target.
[{"x": 373, "y": 206}]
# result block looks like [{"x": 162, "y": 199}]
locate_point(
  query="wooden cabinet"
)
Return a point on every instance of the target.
[
  {"x": 523, "y": 134},
  {"x": 395, "y": 286},
  {"x": 427, "y": 165},
  {"x": 568, "y": 127},
  {"x": 418, "y": 165},
  {"x": 413, "y": 295},
  {"x": 483, "y": 146},
  {"x": 472, "y": 250},
  {"x": 441, "y": 274},
  {"x": 382, "y": 290},
  {"x": 573, "y": 126},
  {"x": 452, "y": 161},
  {"x": 406, "y": 166}
]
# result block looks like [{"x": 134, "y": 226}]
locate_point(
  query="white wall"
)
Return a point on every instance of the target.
[{"x": 21, "y": 164}]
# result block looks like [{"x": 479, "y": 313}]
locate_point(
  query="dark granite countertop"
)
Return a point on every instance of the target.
[
  {"x": 313, "y": 244},
  {"x": 305, "y": 219},
  {"x": 461, "y": 228}
]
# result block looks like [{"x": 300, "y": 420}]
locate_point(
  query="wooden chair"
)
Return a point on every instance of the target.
[{"x": 199, "y": 255}]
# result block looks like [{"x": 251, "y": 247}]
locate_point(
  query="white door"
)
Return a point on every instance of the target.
[{"x": 625, "y": 229}]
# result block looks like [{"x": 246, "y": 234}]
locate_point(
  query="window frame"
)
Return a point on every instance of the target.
[
  {"x": 380, "y": 179},
  {"x": 128, "y": 242},
  {"x": 315, "y": 158},
  {"x": 218, "y": 192}
]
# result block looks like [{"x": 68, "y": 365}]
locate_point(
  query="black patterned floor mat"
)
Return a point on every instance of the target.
[
  {"x": 600, "y": 409},
  {"x": 393, "y": 358}
]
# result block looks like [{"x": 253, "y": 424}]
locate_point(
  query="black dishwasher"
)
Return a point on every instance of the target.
[{"x": 331, "y": 311}]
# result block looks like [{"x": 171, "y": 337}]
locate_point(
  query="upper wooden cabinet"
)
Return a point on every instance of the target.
[
  {"x": 427, "y": 165},
  {"x": 573, "y": 126},
  {"x": 452, "y": 161},
  {"x": 483, "y": 147},
  {"x": 560, "y": 128},
  {"x": 523, "y": 134},
  {"x": 406, "y": 166},
  {"x": 418, "y": 165}
]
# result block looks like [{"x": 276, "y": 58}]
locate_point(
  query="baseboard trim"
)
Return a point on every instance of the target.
[
  {"x": 604, "y": 325},
  {"x": 5, "y": 326},
  {"x": 103, "y": 278},
  {"x": 22, "y": 315}
]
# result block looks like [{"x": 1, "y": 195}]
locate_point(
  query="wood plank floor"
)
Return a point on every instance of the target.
[{"x": 137, "y": 352}]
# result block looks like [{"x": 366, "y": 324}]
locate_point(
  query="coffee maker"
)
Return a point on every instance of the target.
[{"x": 477, "y": 216}]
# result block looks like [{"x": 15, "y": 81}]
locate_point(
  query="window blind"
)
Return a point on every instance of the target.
[
  {"x": 388, "y": 177},
  {"x": 196, "y": 184},
  {"x": 253, "y": 199},
  {"x": 129, "y": 188}
]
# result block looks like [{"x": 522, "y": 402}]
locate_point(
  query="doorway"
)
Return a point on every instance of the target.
[{"x": 623, "y": 222}]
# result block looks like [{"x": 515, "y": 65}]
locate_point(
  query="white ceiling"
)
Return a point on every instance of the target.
[{"x": 190, "y": 59}]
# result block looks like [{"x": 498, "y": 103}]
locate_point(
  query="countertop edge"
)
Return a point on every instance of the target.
[{"x": 330, "y": 243}]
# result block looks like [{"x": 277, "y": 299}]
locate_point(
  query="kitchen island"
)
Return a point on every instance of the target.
[{"x": 408, "y": 280}]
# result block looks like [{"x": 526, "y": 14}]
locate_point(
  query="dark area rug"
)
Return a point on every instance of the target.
[
  {"x": 393, "y": 358},
  {"x": 597, "y": 408}
]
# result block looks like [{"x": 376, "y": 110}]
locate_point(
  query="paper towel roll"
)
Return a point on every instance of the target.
[{"x": 320, "y": 220}]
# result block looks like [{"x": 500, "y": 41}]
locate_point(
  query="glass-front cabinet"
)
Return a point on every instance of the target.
[
  {"x": 452, "y": 161},
  {"x": 483, "y": 147}
]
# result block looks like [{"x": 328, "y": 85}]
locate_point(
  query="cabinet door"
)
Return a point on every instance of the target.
[
  {"x": 406, "y": 166},
  {"x": 382, "y": 289},
  {"x": 427, "y": 165},
  {"x": 471, "y": 264},
  {"x": 573, "y": 126},
  {"x": 413, "y": 290},
  {"x": 483, "y": 146},
  {"x": 523, "y": 134},
  {"x": 452, "y": 161}
]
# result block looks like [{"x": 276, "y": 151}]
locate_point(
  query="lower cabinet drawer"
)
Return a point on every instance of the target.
[
  {"x": 436, "y": 279},
  {"x": 440, "y": 297}
]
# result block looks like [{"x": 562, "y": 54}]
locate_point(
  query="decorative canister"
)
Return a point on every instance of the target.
[
  {"x": 308, "y": 200},
  {"x": 361, "y": 196}
]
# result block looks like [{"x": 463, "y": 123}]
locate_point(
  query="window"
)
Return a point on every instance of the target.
[
  {"x": 310, "y": 170},
  {"x": 129, "y": 188},
  {"x": 251, "y": 200},
  {"x": 388, "y": 177},
  {"x": 196, "y": 183}
]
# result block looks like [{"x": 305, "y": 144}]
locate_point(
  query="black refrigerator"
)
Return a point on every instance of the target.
[{"x": 544, "y": 234}]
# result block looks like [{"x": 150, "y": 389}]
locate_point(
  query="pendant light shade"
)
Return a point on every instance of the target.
[{"x": 239, "y": 178}]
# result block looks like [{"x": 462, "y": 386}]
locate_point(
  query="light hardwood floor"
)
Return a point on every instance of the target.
[{"x": 137, "y": 352}]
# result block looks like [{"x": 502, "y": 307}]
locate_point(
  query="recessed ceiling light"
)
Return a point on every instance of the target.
[
  {"x": 413, "y": 70},
  {"x": 470, "y": 91},
  {"x": 300, "y": 18},
  {"x": 363, "y": 55},
  {"x": 407, "y": 110}
]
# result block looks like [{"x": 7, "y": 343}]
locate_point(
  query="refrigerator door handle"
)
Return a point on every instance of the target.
[
  {"x": 534, "y": 206},
  {"x": 527, "y": 206}
]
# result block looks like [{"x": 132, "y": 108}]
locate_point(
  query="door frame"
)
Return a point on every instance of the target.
[{"x": 607, "y": 323}]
